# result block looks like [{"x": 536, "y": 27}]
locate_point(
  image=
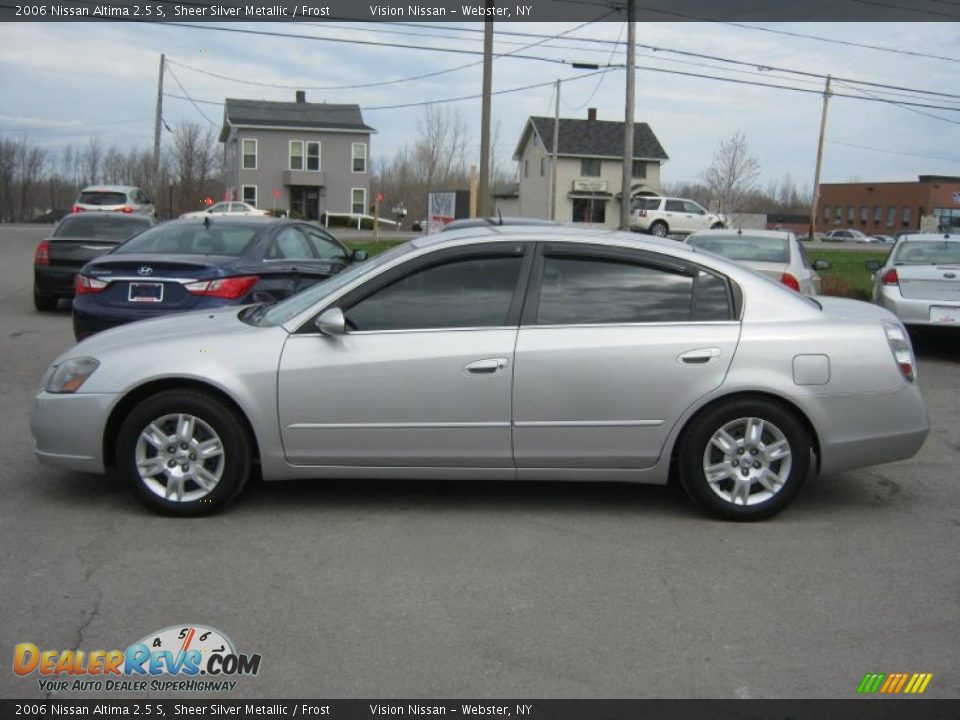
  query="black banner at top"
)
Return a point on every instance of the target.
[{"x": 289, "y": 11}]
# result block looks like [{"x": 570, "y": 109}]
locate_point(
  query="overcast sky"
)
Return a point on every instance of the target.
[{"x": 61, "y": 83}]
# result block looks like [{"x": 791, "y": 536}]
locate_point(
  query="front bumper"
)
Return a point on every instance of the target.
[
  {"x": 912, "y": 311},
  {"x": 68, "y": 429}
]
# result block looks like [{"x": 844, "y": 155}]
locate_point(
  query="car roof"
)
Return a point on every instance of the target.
[
  {"x": 109, "y": 188},
  {"x": 750, "y": 233},
  {"x": 236, "y": 221},
  {"x": 556, "y": 234},
  {"x": 930, "y": 237}
]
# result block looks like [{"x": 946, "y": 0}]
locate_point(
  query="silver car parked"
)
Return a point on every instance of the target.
[
  {"x": 778, "y": 254},
  {"x": 920, "y": 280},
  {"x": 540, "y": 353}
]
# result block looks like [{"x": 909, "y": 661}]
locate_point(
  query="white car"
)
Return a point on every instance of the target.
[
  {"x": 774, "y": 253},
  {"x": 232, "y": 208},
  {"x": 662, "y": 216},
  {"x": 114, "y": 198},
  {"x": 846, "y": 236},
  {"x": 920, "y": 280}
]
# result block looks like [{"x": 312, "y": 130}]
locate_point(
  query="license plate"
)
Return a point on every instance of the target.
[
  {"x": 945, "y": 315},
  {"x": 146, "y": 292}
]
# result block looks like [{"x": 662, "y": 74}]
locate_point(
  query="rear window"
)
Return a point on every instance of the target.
[
  {"x": 102, "y": 198},
  {"x": 192, "y": 240},
  {"x": 108, "y": 228},
  {"x": 645, "y": 203},
  {"x": 745, "y": 248},
  {"x": 927, "y": 253}
]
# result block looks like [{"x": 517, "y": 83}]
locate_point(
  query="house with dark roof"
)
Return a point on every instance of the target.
[
  {"x": 303, "y": 158},
  {"x": 589, "y": 168}
]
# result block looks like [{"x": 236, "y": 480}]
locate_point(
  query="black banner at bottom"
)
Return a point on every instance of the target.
[{"x": 854, "y": 709}]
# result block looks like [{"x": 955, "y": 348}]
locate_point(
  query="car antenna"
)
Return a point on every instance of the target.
[
  {"x": 740, "y": 231},
  {"x": 206, "y": 221},
  {"x": 500, "y": 216}
]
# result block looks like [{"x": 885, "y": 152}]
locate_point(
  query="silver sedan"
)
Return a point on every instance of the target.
[
  {"x": 920, "y": 280},
  {"x": 540, "y": 353},
  {"x": 778, "y": 254}
]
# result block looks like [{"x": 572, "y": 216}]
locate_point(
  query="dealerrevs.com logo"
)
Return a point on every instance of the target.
[{"x": 185, "y": 658}]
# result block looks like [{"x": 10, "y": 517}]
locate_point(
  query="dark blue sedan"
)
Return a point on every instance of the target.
[{"x": 198, "y": 264}]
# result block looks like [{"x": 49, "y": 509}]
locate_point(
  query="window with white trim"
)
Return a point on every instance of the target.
[
  {"x": 296, "y": 154},
  {"x": 358, "y": 201},
  {"x": 250, "y": 154},
  {"x": 359, "y": 158},
  {"x": 313, "y": 156},
  {"x": 250, "y": 194}
]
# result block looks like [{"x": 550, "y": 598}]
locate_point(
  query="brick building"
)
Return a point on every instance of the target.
[{"x": 885, "y": 208}]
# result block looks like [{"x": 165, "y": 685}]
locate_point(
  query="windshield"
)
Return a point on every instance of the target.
[
  {"x": 107, "y": 227},
  {"x": 927, "y": 253},
  {"x": 102, "y": 197},
  {"x": 231, "y": 240},
  {"x": 745, "y": 248},
  {"x": 293, "y": 306}
]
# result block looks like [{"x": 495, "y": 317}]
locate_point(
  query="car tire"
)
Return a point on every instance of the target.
[
  {"x": 44, "y": 302},
  {"x": 195, "y": 443},
  {"x": 744, "y": 460},
  {"x": 659, "y": 229}
]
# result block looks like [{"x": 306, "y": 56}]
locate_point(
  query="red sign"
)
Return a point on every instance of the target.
[
  {"x": 379, "y": 197},
  {"x": 276, "y": 193}
]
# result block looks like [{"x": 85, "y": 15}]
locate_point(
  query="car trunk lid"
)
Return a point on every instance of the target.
[
  {"x": 930, "y": 282},
  {"x": 74, "y": 253}
]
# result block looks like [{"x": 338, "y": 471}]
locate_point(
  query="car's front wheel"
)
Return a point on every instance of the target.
[
  {"x": 659, "y": 229},
  {"x": 744, "y": 459},
  {"x": 183, "y": 452}
]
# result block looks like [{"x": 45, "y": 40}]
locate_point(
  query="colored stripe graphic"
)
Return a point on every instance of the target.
[{"x": 894, "y": 683}]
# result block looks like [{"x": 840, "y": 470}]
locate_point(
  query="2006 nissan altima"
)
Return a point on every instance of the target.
[{"x": 539, "y": 353}]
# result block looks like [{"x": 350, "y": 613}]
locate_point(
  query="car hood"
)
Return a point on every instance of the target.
[
  {"x": 177, "y": 330},
  {"x": 836, "y": 307}
]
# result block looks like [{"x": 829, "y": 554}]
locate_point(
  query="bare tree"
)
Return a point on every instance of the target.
[
  {"x": 194, "y": 166},
  {"x": 733, "y": 174},
  {"x": 90, "y": 161}
]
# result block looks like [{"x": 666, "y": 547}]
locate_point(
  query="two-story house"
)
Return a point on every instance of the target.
[
  {"x": 299, "y": 157},
  {"x": 589, "y": 168}
]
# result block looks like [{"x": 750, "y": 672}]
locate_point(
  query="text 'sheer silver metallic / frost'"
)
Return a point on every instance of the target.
[{"x": 612, "y": 358}]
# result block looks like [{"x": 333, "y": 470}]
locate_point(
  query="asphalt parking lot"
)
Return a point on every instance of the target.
[{"x": 535, "y": 590}]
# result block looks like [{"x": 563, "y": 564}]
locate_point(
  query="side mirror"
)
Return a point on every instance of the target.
[
  {"x": 873, "y": 265},
  {"x": 331, "y": 322},
  {"x": 359, "y": 255},
  {"x": 822, "y": 265}
]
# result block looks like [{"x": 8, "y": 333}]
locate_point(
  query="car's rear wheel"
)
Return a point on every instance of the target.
[
  {"x": 744, "y": 459},
  {"x": 44, "y": 302},
  {"x": 659, "y": 229},
  {"x": 183, "y": 452}
]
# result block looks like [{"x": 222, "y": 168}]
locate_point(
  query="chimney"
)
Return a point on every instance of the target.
[
  {"x": 591, "y": 113},
  {"x": 301, "y": 96}
]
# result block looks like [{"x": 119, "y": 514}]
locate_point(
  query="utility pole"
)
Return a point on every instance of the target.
[
  {"x": 483, "y": 188},
  {"x": 627, "y": 182},
  {"x": 157, "y": 120},
  {"x": 553, "y": 156},
  {"x": 816, "y": 176}
]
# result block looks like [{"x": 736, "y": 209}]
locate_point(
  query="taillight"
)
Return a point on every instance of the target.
[
  {"x": 76, "y": 208},
  {"x": 790, "y": 281},
  {"x": 84, "y": 285},
  {"x": 227, "y": 288},
  {"x": 890, "y": 277},
  {"x": 902, "y": 350},
  {"x": 43, "y": 253},
  {"x": 125, "y": 209}
]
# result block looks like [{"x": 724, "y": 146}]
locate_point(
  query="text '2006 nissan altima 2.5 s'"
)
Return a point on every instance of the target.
[{"x": 538, "y": 353}]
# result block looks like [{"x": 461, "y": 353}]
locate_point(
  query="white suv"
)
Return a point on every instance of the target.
[
  {"x": 114, "y": 198},
  {"x": 661, "y": 216}
]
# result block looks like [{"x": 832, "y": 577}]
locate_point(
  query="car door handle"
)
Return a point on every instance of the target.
[
  {"x": 700, "y": 356},
  {"x": 486, "y": 367}
]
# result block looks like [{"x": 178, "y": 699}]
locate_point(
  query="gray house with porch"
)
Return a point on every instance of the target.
[{"x": 302, "y": 158}]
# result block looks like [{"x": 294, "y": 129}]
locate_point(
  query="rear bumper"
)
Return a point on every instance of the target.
[
  {"x": 912, "y": 311},
  {"x": 54, "y": 280},
  {"x": 896, "y": 427},
  {"x": 68, "y": 429}
]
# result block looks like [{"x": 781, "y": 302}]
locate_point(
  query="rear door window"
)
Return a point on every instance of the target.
[{"x": 675, "y": 206}]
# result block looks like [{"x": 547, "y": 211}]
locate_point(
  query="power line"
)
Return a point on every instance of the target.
[
  {"x": 195, "y": 106},
  {"x": 911, "y": 107},
  {"x": 893, "y": 152}
]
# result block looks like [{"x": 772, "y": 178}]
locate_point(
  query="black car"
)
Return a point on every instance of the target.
[
  {"x": 77, "y": 239},
  {"x": 197, "y": 264}
]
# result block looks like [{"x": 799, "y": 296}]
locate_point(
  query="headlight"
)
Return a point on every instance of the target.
[{"x": 72, "y": 374}]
